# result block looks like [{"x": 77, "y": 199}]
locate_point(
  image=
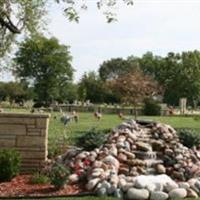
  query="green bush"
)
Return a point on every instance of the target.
[
  {"x": 92, "y": 139},
  {"x": 58, "y": 175},
  {"x": 189, "y": 137},
  {"x": 39, "y": 178},
  {"x": 151, "y": 107},
  {"x": 10, "y": 163},
  {"x": 197, "y": 118},
  {"x": 54, "y": 150},
  {"x": 58, "y": 146}
]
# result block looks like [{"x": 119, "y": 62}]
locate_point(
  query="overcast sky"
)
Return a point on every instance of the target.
[{"x": 159, "y": 26}]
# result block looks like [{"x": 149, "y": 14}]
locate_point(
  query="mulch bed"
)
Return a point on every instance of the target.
[{"x": 20, "y": 186}]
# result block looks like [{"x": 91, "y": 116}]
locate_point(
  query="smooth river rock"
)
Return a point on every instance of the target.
[
  {"x": 160, "y": 169},
  {"x": 73, "y": 178},
  {"x": 102, "y": 192},
  {"x": 92, "y": 183},
  {"x": 137, "y": 194},
  {"x": 110, "y": 160},
  {"x": 178, "y": 193},
  {"x": 170, "y": 186},
  {"x": 143, "y": 146},
  {"x": 191, "y": 194},
  {"x": 159, "y": 195}
]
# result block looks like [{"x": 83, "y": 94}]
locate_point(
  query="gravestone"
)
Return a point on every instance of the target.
[{"x": 183, "y": 105}]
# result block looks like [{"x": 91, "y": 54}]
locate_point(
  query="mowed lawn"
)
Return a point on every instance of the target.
[{"x": 108, "y": 121}]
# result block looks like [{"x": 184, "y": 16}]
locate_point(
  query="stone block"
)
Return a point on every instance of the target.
[
  {"x": 30, "y": 126},
  {"x": 30, "y": 165},
  {"x": 34, "y": 131},
  {"x": 7, "y": 142},
  {"x": 41, "y": 123},
  {"x": 28, "y": 149},
  {"x": 29, "y": 170},
  {"x": 44, "y": 132},
  {"x": 30, "y": 141},
  {"x": 34, "y": 160},
  {"x": 11, "y": 120},
  {"x": 10, "y": 129},
  {"x": 33, "y": 155}
]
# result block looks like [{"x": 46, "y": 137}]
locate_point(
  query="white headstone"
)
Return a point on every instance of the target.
[{"x": 183, "y": 105}]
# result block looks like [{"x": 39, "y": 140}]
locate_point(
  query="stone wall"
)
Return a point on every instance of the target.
[{"x": 28, "y": 134}]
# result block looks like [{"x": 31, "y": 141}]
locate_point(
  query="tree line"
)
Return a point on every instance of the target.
[
  {"x": 178, "y": 74},
  {"x": 44, "y": 73}
]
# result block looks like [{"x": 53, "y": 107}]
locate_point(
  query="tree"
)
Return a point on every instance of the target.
[
  {"x": 151, "y": 64},
  {"x": 108, "y": 7},
  {"x": 179, "y": 73},
  {"x": 46, "y": 65},
  {"x": 114, "y": 68},
  {"x": 134, "y": 87},
  {"x": 90, "y": 88},
  {"x": 16, "y": 17},
  {"x": 26, "y": 16},
  {"x": 182, "y": 77},
  {"x": 68, "y": 93},
  {"x": 14, "y": 92}
]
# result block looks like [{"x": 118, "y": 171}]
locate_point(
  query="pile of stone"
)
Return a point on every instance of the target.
[{"x": 140, "y": 160}]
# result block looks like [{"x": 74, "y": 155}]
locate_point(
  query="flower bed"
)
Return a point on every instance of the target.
[{"x": 20, "y": 186}]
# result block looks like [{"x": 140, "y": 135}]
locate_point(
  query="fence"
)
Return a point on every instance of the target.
[{"x": 105, "y": 110}]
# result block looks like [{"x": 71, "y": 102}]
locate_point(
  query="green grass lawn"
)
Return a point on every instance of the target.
[{"x": 87, "y": 121}]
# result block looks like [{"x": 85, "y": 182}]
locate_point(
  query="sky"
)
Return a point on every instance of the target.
[{"x": 159, "y": 26}]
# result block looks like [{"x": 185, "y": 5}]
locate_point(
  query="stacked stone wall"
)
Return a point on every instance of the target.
[{"x": 28, "y": 134}]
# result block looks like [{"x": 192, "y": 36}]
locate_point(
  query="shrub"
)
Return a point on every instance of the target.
[
  {"x": 39, "y": 178},
  {"x": 189, "y": 137},
  {"x": 58, "y": 175},
  {"x": 10, "y": 162},
  {"x": 58, "y": 146},
  {"x": 53, "y": 151},
  {"x": 151, "y": 107},
  {"x": 197, "y": 118},
  {"x": 92, "y": 139}
]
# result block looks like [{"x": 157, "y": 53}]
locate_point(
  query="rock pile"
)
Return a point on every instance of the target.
[{"x": 140, "y": 160}]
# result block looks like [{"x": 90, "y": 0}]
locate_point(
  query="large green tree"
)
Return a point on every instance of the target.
[
  {"x": 68, "y": 93},
  {"x": 134, "y": 87},
  {"x": 90, "y": 88},
  {"x": 149, "y": 64},
  {"x": 181, "y": 77},
  {"x": 14, "y": 92},
  {"x": 113, "y": 68},
  {"x": 46, "y": 65},
  {"x": 178, "y": 73}
]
